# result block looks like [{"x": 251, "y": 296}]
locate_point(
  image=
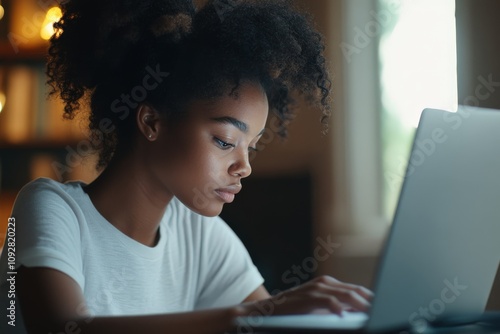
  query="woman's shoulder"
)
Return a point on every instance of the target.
[
  {"x": 44, "y": 183},
  {"x": 45, "y": 191}
]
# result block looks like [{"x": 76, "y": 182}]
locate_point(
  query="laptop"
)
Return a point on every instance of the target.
[{"x": 443, "y": 250}]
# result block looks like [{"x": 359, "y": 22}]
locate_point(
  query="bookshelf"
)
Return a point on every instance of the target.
[{"x": 35, "y": 140}]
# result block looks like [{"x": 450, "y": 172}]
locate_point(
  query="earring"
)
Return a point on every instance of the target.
[{"x": 150, "y": 136}]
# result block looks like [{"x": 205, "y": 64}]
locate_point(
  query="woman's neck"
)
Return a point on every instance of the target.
[{"x": 129, "y": 200}]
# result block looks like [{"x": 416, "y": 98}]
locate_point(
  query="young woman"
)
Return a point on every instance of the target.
[{"x": 179, "y": 98}]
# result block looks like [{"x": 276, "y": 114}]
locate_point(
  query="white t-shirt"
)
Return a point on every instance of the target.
[{"x": 197, "y": 263}]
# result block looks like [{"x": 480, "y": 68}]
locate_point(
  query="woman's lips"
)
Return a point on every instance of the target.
[{"x": 227, "y": 194}]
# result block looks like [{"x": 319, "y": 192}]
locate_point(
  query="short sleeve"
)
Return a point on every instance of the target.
[
  {"x": 227, "y": 273},
  {"x": 47, "y": 229}
]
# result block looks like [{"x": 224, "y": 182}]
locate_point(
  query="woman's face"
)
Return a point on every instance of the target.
[{"x": 202, "y": 158}]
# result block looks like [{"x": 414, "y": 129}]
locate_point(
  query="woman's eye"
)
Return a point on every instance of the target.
[{"x": 222, "y": 144}]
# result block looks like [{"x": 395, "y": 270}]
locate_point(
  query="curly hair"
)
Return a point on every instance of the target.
[{"x": 119, "y": 53}]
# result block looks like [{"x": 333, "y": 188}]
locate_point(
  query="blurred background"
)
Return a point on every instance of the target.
[{"x": 315, "y": 203}]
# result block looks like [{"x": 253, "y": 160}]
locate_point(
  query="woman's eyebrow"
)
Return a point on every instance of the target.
[{"x": 242, "y": 126}]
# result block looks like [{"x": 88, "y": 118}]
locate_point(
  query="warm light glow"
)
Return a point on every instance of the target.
[
  {"x": 2, "y": 101},
  {"x": 2, "y": 11},
  {"x": 53, "y": 15}
]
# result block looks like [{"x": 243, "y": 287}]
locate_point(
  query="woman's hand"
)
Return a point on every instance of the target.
[{"x": 323, "y": 293}]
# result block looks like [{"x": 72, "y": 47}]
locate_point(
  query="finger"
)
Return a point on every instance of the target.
[
  {"x": 362, "y": 291},
  {"x": 348, "y": 308},
  {"x": 351, "y": 298},
  {"x": 311, "y": 301},
  {"x": 346, "y": 296},
  {"x": 328, "y": 302}
]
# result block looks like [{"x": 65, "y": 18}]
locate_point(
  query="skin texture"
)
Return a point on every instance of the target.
[{"x": 204, "y": 151}]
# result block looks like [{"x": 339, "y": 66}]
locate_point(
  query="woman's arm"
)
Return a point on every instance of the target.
[
  {"x": 259, "y": 294},
  {"x": 52, "y": 302}
]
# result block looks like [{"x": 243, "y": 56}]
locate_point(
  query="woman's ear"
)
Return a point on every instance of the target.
[{"x": 148, "y": 122}]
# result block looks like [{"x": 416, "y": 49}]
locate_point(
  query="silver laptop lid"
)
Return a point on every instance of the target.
[{"x": 443, "y": 251}]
